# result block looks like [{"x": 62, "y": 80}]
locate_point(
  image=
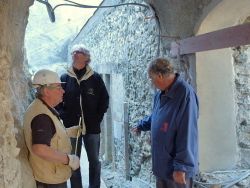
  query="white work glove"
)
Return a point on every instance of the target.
[
  {"x": 74, "y": 162},
  {"x": 72, "y": 131}
]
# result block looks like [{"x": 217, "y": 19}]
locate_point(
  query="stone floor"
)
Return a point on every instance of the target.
[{"x": 112, "y": 178}]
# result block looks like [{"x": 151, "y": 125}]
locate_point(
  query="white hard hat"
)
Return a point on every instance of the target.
[{"x": 45, "y": 77}]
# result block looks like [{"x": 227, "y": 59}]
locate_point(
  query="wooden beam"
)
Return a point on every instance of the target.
[{"x": 224, "y": 38}]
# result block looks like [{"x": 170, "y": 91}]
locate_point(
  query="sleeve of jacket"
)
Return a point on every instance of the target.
[
  {"x": 145, "y": 124},
  {"x": 186, "y": 158},
  {"x": 104, "y": 100}
]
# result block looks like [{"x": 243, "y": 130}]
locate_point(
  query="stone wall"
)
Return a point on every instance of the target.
[
  {"x": 122, "y": 41},
  {"x": 14, "y": 94},
  {"x": 242, "y": 86}
]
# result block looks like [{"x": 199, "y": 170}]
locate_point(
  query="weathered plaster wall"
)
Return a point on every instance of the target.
[
  {"x": 122, "y": 42},
  {"x": 14, "y": 169},
  {"x": 216, "y": 77}
]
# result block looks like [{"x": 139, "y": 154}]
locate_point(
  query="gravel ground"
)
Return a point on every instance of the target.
[
  {"x": 114, "y": 179},
  {"x": 110, "y": 178}
]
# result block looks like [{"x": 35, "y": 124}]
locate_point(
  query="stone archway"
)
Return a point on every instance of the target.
[{"x": 215, "y": 86}]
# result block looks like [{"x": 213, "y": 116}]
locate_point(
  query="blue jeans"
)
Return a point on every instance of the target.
[{"x": 92, "y": 146}]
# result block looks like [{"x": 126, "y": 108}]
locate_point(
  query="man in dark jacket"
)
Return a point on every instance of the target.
[{"x": 85, "y": 97}]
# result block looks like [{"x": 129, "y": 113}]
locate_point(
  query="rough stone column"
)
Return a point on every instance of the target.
[
  {"x": 15, "y": 171},
  {"x": 108, "y": 126}
]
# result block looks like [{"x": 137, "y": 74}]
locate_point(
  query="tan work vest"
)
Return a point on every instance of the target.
[{"x": 45, "y": 171}]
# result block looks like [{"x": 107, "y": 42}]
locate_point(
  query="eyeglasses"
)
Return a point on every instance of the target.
[
  {"x": 79, "y": 52},
  {"x": 54, "y": 87},
  {"x": 87, "y": 61}
]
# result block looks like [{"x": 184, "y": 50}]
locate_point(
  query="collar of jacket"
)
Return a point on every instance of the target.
[
  {"x": 53, "y": 110},
  {"x": 89, "y": 72},
  {"x": 172, "y": 90}
]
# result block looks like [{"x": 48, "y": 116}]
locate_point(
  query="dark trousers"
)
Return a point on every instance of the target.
[
  {"x": 160, "y": 183},
  {"x": 44, "y": 185},
  {"x": 92, "y": 146}
]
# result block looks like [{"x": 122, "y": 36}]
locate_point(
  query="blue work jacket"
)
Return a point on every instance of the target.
[{"x": 174, "y": 133}]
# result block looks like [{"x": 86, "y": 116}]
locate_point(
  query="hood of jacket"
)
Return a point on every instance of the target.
[{"x": 89, "y": 72}]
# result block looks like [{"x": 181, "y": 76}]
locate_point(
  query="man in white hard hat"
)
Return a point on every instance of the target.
[{"x": 46, "y": 137}]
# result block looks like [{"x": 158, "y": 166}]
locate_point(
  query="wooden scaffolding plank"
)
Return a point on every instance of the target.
[{"x": 224, "y": 38}]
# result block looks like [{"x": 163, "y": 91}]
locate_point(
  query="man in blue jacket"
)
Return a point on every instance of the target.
[
  {"x": 85, "y": 98},
  {"x": 173, "y": 125}
]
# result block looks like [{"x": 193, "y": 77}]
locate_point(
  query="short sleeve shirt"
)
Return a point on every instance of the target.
[{"x": 43, "y": 129}]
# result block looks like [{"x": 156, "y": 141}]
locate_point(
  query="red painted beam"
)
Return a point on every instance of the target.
[{"x": 224, "y": 38}]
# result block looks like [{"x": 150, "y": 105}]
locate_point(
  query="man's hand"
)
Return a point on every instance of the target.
[
  {"x": 179, "y": 177},
  {"x": 74, "y": 162},
  {"x": 136, "y": 131},
  {"x": 74, "y": 131}
]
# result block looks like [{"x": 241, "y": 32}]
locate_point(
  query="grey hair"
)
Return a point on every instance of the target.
[
  {"x": 81, "y": 48},
  {"x": 160, "y": 66},
  {"x": 39, "y": 92}
]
